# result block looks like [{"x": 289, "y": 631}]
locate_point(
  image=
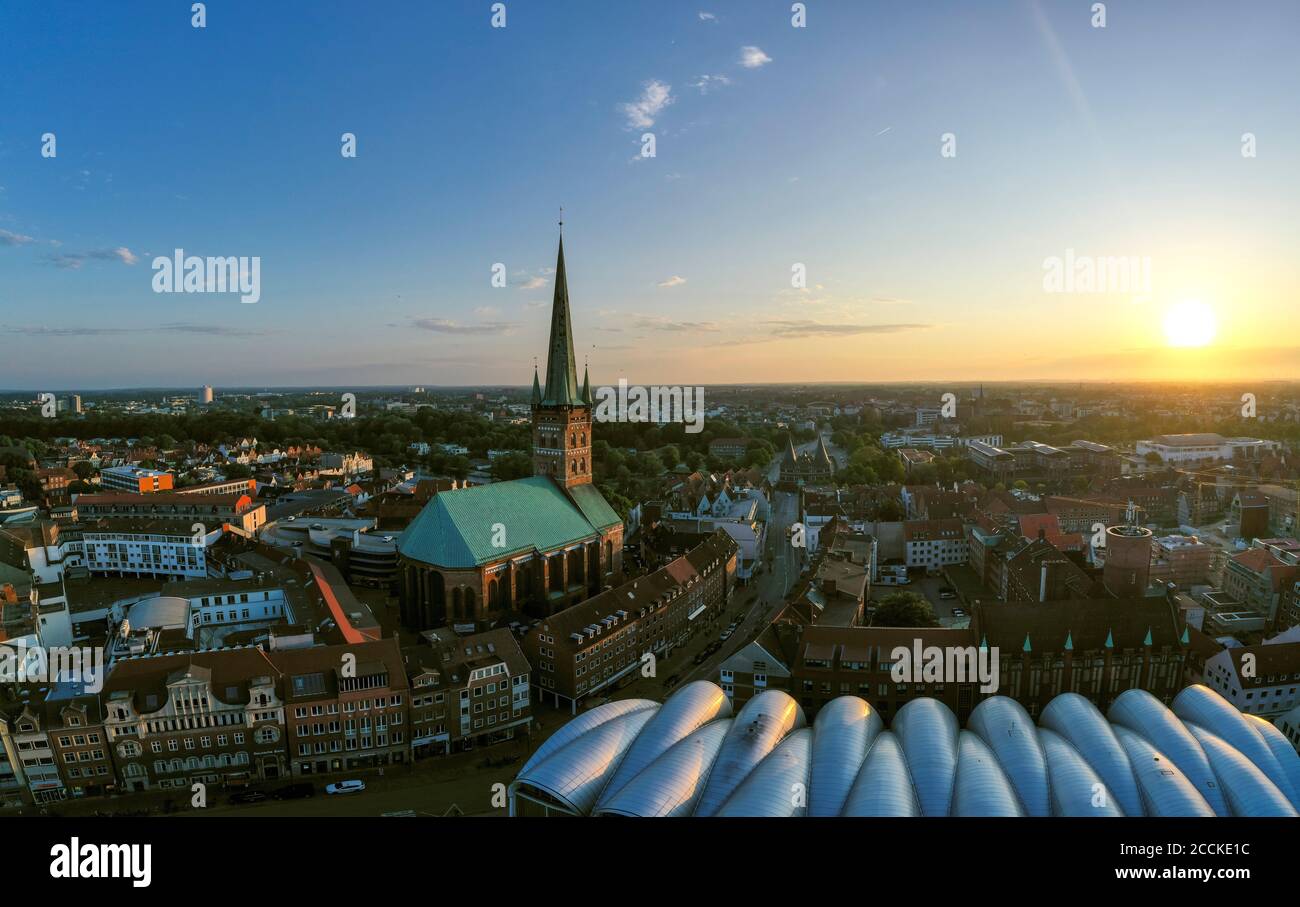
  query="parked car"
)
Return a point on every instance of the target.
[
  {"x": 247, "y": 796},
  {"x": 726, "y": 634},
  {"x": 295, "y": 791},
  {"x": 958, "y": 612},
  {"x": 947, "y": 595},
  {"x": 345, "y": 787}
]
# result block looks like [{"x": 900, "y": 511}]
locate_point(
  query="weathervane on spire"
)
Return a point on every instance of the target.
[{"x": 561, "y": 220}]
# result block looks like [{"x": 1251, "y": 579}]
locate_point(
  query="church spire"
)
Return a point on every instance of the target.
[
  {"x": 561, "y": 369},
  {"x": 537, "y": 388}
]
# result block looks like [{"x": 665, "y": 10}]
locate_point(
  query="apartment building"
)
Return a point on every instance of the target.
[
  {"x": 134, "y": 480},
  {"x": 346, "y": 707},
  {"x": 467, "y": 691},
  {"x": 596, "y": 645},
  {"x": 239, "y": 510},
  {"x": 859, "y": 661},
  {"x": 229, "y": 487},
  {"x": 1256, "y": 578},
  {"x": 153, "y": 548},
  {"x": 199, "y": 717},
  {"x": 25, "y": 738},
  {"x": 79, "y": 741},
  {"x": 761, "y": 665},
  {"x": 935, "y": 544},
  {"x": 1261, "y": 679}
]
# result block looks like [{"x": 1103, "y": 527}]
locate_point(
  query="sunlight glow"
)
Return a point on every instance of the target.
[{"x": 1190, "y": 323}]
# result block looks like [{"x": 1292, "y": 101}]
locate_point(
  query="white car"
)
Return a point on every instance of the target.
[{"x": 346, "y": 787}]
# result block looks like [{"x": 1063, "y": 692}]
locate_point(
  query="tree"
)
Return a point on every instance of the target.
[
  {"x": 237, "y": 471},
  {"x": 83, "y": 469},
  {"x": 649, "y": 464},
  {"x": 904, "y": 609},
  {"x": 891, "y": 511},
  {"x": 512, "y": 466}
]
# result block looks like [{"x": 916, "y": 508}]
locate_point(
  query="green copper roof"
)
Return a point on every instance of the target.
[
  {"x": 455, "y": 529},
  {"x": 1069, "y": 641},
  {"x": 561, "y": 369},
  {"x": 594, "y": 506},
  {"x": 537, "y": 388}
]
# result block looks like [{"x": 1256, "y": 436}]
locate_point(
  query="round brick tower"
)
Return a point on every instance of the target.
[{"x": 1128, "y": 561}]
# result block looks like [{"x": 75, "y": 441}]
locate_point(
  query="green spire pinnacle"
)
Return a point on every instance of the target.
[
  {"x": 1110, "y": 639},
  {"x": 537, "y": 388},
  {"x": 586, "y": 386},
  {"x": 1147, "y": 641},
  {"x": 1027, "y": 647},
  {"x": 1069, "y": 641},
  {"x": 1185, "y": 639},
  {"x": 561, "y": 370}
]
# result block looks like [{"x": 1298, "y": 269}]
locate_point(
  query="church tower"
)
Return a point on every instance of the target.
[{"x": 562, "y": 410}]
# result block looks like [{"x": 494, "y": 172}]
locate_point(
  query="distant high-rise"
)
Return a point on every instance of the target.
[
  {"x": 205, "y": 395},
  {"x": 71, "y": 403}
]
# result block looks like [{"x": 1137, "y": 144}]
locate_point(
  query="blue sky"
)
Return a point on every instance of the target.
[{"x": 817, "y": 146}]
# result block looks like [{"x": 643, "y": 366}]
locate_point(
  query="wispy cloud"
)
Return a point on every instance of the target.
[
  {"x": 794, "y": 329},
  {"x": 707, "y": 83},
  {"x": 674, "y": 281},
  {"x": 121, "y": 253},
  {"x": 73, "y": 261},
  {"x": 707, "y": 17},
  {"x": 14, "y": 239},
  {"x": 175, "y": 327},
  {"x": 753, "y": 57},
  {"x": 642, "y": 113},
  {"x": 658, "y": 323},
  {"x": 533, "y": 283},
  {"x": 444, "y": 326},
  {"x": 70, "y": 261}
]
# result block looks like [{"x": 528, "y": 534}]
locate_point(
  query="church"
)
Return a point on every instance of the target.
[{"x": 537, "y": 545}]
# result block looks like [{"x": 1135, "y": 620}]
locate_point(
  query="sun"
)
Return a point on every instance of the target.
[{"x": 1190, "y": 323}]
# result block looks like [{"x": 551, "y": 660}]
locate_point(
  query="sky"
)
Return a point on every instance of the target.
[{"x": 920, "y": 162}]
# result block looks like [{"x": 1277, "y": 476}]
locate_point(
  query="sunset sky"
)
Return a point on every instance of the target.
[{"x": 774, "y": 146}]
